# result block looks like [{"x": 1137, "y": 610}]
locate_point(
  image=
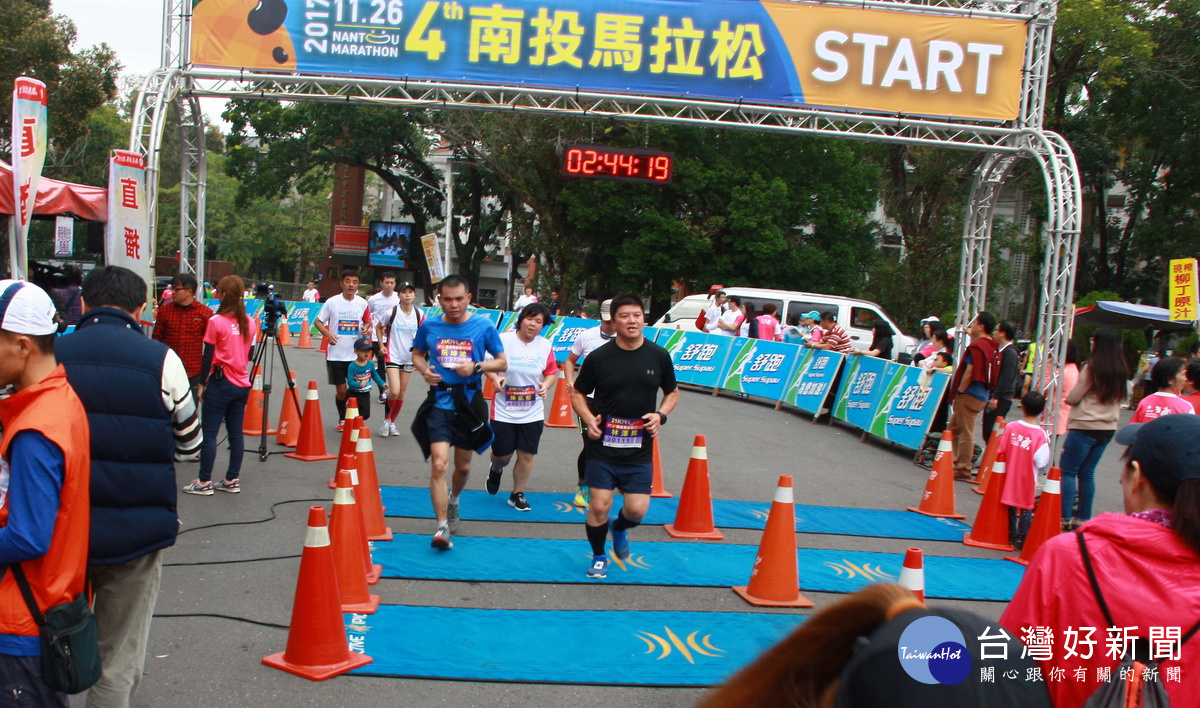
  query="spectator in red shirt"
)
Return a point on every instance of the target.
[
  {"x": 180, "y": 324},
  {"x": 835, "y": 337}
]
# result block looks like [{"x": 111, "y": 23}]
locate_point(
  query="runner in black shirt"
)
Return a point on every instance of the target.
[{"x": 626, "y": 375}]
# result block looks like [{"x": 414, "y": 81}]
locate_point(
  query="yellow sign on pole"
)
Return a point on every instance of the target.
[{"x": 1181, "y": 296}]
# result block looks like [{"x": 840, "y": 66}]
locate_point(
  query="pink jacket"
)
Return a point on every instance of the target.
[{"x": 1148, "y": 577}]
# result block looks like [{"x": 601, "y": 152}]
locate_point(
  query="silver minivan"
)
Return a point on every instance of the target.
[{"x": 857, "y": 316}]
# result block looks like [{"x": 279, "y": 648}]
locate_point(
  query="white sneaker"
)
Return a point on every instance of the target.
[
  {"x": 384, "y": 430},
  {"x": 392, "y": 428}
]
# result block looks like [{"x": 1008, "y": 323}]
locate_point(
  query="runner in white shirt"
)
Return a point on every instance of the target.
[
  {"x": 343, "y": 319},
  {"x": 311, "y": 294},
  {"x": 526, "y": 299},
  {"x": 381, "y": 305},
  {"x": 400, "y": 326},
  {"x": 730, "y": 323},
  {"x": 519, "y": 414},
  {"x": 587, "y": 342}
]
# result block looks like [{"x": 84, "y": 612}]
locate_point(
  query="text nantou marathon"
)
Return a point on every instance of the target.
[{"x": 368, "y": 50}]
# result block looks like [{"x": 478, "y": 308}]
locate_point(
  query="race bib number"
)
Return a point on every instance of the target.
[
  {"x": 623, "y": 432},
  {"x": 519, "y": 398},
  {"x": 347, "y": 328},
  {"x": 453, "y": 352}
]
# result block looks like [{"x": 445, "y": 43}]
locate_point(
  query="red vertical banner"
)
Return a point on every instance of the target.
[{"x": 29, "y": 142}]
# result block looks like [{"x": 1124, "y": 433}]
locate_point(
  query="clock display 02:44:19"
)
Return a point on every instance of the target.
[{"x": 624, "y": 164}]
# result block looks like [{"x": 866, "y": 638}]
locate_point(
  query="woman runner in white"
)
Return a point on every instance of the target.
[
  {"x": 520, "y": 403},
  {"x": 401, "y": 326}
]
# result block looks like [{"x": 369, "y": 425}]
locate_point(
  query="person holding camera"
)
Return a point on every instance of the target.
[{"x": 224, "y": 386}]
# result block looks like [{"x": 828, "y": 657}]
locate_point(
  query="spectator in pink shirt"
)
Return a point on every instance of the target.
[
  {"x": 768, "y": 326},
  {"x": 1168, "y": 376}
]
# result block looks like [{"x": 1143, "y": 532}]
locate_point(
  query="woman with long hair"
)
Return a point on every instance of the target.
[
  {"x": 224, "y": 386},
  {"x": 1139, "y": 570},
  {"x": 1095, "y": 402},
  {"x": 881, "y": 341}
]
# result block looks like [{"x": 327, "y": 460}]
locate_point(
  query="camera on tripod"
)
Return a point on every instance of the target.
[{"x": 273, "y": 307}]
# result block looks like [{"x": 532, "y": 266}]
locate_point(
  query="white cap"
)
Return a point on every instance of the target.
[
  {"x": 26, "y": 309},
  {"x": 606, "y": 310}
]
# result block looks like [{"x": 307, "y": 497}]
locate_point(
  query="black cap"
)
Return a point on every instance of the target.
[
  {"x": 406, "y": 286},
  {"x": 1167, "y": 449}
]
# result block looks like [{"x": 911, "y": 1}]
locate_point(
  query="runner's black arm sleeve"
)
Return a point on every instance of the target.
[{"x": 206, "y": 360}]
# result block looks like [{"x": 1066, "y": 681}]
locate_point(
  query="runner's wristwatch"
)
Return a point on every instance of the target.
[
  {"x": 662, "y": 417},
  {"x": 478, "y": 368}
]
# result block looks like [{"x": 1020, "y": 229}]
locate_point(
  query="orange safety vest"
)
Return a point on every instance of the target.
[{"x": 51, "y": 408}]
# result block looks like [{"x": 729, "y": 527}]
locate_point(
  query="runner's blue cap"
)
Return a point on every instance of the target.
[{"x": 362, "y": 343}]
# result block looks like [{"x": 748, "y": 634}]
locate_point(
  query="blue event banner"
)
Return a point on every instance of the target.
[
  {"x": 862, "y": 390},
  {"x": 301, "y": 314},
  {"x": 760, "y": 368},
  {"x": 699, "y": 357},
  {"x": 909, "y": 405},
  {"x": 812, "y": 379},
  {"x": 562, "y": 335}
]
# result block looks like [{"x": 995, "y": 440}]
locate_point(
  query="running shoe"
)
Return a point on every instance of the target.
[
  {"x": 385, "y": 430},
  {"x": 452, "y": 515},
  {"x": 598, "y": 568},
  {"x": 620, "y": 541},
  {"x": 340, "y": 426},
  {"x": 441, "y": 539},
  {"x": 383, "y": 396},
  {"x": 583, "y": 497},
  {"x": 392, "y": 428},
  {"x": 517, "y": 501},
  {"x": 233, "y": 486},
  {"x": 493, "y": 480},
  {"x": 204, "y": 489}
]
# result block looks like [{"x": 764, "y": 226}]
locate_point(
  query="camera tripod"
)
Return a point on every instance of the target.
[{"x": 266, "y": 352}]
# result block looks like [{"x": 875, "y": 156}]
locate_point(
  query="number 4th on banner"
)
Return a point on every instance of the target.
[{"x": 422, "y": 39}]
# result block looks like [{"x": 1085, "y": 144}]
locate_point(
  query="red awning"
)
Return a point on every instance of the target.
[{"x": 57, "y": 198}]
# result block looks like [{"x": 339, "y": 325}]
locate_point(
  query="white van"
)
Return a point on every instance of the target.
[{"x": 856, "y": 316}]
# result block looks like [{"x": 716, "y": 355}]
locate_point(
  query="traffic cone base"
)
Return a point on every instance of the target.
[
  {"x": 317, "y": 673},
  {"x": 938, "y": 498},
  {"x": 801, "y": 600},
  {"x": 694, "y": 516}
]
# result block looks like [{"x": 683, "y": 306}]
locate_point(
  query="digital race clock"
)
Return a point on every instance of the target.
[{"x": 624, "y": 164}]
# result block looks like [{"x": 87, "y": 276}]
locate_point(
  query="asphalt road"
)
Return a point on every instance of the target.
[{"x": 202, "y": 661}]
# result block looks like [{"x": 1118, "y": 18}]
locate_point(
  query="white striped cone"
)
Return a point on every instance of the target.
[{"x": 912, "y": 575}]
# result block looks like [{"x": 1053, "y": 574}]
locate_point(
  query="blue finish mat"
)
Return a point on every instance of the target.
[
  {"x": 538, "y": 560},
  {"x": 550, "y": 508},
  {"x": 558, "y": 646}
]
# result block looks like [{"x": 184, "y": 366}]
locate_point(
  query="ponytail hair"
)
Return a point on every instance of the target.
[{"x": 229, "y": 290}]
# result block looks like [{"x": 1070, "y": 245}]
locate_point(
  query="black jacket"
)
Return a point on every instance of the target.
[
  {"x": 1008, "y": 385},
  {"x": 117, "y": 373},
  {"x": 472, "y": 414}
]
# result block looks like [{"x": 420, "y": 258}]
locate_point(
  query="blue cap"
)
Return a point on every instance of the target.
[{"x": 362, "y": 343}]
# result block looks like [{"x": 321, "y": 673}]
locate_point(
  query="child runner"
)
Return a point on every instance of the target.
[
  {"x": 1026, "y": 450},
  {"x": 361, "y": 373}
]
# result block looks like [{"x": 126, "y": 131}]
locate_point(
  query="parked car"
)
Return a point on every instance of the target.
[{"x": 857, "y": 316}]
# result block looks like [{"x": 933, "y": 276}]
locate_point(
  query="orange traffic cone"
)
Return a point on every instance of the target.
[
  {"x": 775, "y": 579},
  {"x": 988, "y": 461},
  {"x": 305, "y": 336},
  {"x": 317, "y": 647},
  {"x": 489, "y": 389},
  {"x": 560, "y": 408},
  {"x": 324, "y": 344},
  {"x": 346, "y": 533},
  {"x": 349, "y": 444},
  {"x": 311, "y": 445},
  {"x": 252, "y": 425},
  {"x": 284, "y": 337},
  {"x": 694, "y": 517},
  {"x": 1046, "y": 524},
  {"x": 348, "y": 426},
  {"x": 938, "y": 499},
  {"x": 289, "y": 416},
  {"x": 991, "y": 523},
  {"x": 349, "y": 464},
  {"x": 912, "y": 573},
  {"x": 367, "y": 490},
  {"x": 656, "y": 483}
]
